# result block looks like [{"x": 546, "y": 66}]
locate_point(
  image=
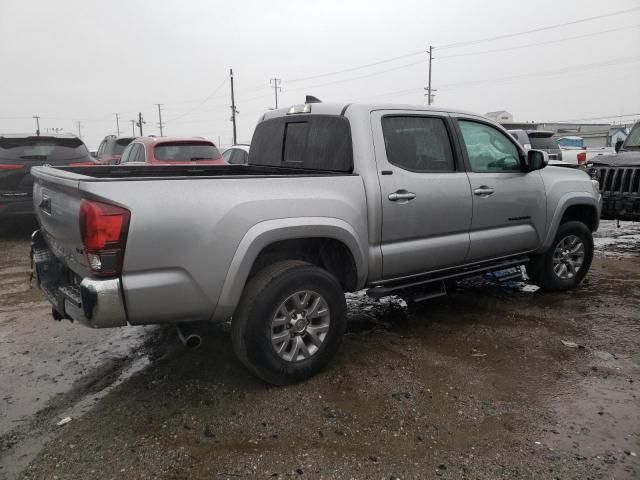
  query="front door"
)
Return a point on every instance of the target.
[
  {"x": 509, "y": 203},
  {"x": 426, "y": 198}
]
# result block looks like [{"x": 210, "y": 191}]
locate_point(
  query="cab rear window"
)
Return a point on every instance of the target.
[{"x": 315, "y": 142}]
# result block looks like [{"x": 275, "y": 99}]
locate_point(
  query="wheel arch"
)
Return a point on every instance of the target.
[
  {"x": 573, "y": 206},
  {"x": 330, "y": 243}
]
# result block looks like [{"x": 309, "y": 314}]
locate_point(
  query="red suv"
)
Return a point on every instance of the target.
[{"x": 171, "y": 151}]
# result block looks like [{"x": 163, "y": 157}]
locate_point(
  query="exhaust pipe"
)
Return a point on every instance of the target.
[{"x": 188, "y": 336}]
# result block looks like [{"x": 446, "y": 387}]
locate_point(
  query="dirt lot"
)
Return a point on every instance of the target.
[{"x": 477, "y": 385}]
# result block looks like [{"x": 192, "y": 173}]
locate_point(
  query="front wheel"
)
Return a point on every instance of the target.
[
  {"x": 567, "y": 262},
  {"x": 289, "y": 322}
]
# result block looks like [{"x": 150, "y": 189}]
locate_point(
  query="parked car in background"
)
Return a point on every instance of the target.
[
  {"x": 18, "y": 153},
  {"x": 171, "y": 151},
  {"x": 336, "y": 198},
  {"x": 236, "y": 154},
  {"x": 111, "y": 148},
  {"x": 619, "y": 177},
  {"x": 538, "y": 140},
  {"x": 575, "y": 151}
]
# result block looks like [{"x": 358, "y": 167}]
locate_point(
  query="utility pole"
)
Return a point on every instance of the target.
[
  {"x": 233, "y": 108},
  {"x": 79, "y": 129},
  {"x": 37, "y": 124},
  {"x": 160, "y": 116},
  {"x": 133, "y": 127},
  {"x": 429, "y": 89},
  {"x": 276, "y": 87},
  {"x": 140, "y": 122},
  {"x": 117, "y": 123}
]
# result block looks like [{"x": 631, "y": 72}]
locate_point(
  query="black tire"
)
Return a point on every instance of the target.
[
  {"x": 263, "y": 294},
  {"x": 540, "y": 269}
]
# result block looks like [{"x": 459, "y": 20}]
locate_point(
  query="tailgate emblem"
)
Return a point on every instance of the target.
[{"x": 45, "y": 204}]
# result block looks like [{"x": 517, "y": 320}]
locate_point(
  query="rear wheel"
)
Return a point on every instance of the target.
[
  {"x": 567, "y": 262},
  {"x": 289, "y": 322}
]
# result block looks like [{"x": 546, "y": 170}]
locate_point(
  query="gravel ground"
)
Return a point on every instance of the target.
[{"x": 475, "y": 385}]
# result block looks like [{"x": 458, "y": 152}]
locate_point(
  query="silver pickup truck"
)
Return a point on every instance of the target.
[{"x": 335, "y": 198}]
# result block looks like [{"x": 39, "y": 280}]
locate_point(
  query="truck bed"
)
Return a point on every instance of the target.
[
  {"x": 136, "y": 172},
  {"x": 189, "y": 224}
]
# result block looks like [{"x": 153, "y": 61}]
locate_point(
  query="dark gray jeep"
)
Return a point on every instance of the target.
[{"x": 619, "y": 177}]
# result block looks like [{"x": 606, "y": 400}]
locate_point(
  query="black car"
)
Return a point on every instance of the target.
[
  {"x": 18, "y": 153},
  {"x": 111, "y": 148},
  {"x": 619, "y": 177}
]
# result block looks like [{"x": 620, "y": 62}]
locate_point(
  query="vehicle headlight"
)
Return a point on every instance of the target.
[{"x": 596, "y": 186}]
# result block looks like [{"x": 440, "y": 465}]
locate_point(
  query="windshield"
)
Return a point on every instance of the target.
[
  {"x": 633, "y": 140},
  {"x": 543, "y": 143},
  {"x": 180, "y": 151},
  {"x": 43, "y": 148}
]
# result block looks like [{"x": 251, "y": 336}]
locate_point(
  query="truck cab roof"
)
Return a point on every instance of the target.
[{"x": 343, "y": 108}]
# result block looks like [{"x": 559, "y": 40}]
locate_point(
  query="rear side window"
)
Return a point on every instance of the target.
[
  {"x": 544, "y": 143},
  {"x": 238, "y": 157},
  {"x": 316, "y": 142},
  {"x": 180, "y": 151},
  {"x": 419, "y": 144},
  {"x": 120, "y": 144},
  {"x": 43, "y": 149}
]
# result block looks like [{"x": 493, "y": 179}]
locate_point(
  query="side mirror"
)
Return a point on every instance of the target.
[
  {"x": 536, "y": 160},
  {"x": 618, "y": 145}
]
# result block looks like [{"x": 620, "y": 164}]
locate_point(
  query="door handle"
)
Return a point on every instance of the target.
[
  {"x": 483, "y": 191},
  {"x": 401, "y": 195}
]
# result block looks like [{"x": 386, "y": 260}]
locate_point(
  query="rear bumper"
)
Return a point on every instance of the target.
[
  {"x": 95, "y": 303},
  {"x": 11, "y": 205}
]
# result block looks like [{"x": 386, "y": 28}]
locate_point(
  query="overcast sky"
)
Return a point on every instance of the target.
[{"x": 84, "y": 60}]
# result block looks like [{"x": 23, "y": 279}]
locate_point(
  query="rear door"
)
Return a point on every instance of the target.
[
  {"x": 509, "y": 203},
  {"x": 426, "y": 198}
]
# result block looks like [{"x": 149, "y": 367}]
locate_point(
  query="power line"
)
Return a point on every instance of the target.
[
  {"x": 201, "y": 103},
  {"x": 617, "y": 115},
  {"x": 359, "y": 67},
  {"x": 586, "y": 35},
  {"x": 534, "y": 30},
  {"x": 360, "y": 77},
  {"x": 571, "y": 69}
]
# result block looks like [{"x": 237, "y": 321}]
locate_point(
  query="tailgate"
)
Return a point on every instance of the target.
[{"x": 56, "y": 199}]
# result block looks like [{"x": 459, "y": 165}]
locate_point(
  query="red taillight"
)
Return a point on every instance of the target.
[
  {"x": 104, "y": 228},
  {"x": 10, "y": 167},
  {"x": 582, "y": 157}
]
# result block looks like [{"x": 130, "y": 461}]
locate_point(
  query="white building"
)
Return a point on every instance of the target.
[{"x": 501, "y": 116}]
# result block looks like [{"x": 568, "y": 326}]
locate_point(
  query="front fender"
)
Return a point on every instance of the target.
[
  {"x": 265, "y": 233},
  {"x": 567, "y": 200}
]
